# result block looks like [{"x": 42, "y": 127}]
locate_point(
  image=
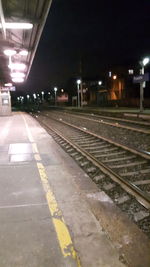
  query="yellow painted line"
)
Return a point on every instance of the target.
[
  {"x": 37, "y": 157},
  {"x": 61, "y": 229},
  {"x": 34, "y": 147}
]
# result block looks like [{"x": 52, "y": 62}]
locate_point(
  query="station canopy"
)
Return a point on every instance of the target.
[{"x": 21, "y": 26}]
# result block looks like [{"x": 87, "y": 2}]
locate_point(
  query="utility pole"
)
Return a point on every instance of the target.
[
  {"x": 142, "y": 85},
  {"x": 81, "y": 87},
  {"x": 144, "y": 62}
]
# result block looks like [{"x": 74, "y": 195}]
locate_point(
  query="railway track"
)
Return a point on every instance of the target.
[
  {"x": 123, "y": 173},
  {"x": 136, "y": 138},
  {"x": 132, "y": 125}
]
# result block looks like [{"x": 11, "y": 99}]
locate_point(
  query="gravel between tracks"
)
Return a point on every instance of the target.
[{"x": 129, "y": 138}]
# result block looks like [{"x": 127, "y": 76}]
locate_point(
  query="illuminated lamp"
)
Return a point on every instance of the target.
[
  {"x": 8, "y": 84},
  {"x": 17, "y": 75},
  {"x": 78, "y": 81},
  {"x": 145, "y": 61},
  {"x": 114, "y": 77},
  {"x": 17, "y": 66},
  {"x": 9, "y": 52},
  {"x": 18, "y": 80},
  {"x": 17, "y": 25},
  {"x": 130, "y": 71},
  {"x": 23, "y": 53}
]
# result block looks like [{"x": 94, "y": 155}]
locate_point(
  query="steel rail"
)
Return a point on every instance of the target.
[
  {"x": 142, "y": 197},
  {"x": 110, "y": 118},
  {"x": 144, "y": 154},
  {"x": 115, "y": 124}
]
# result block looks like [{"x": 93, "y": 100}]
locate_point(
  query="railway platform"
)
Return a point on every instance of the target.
[{"x": 44, "y": 217}]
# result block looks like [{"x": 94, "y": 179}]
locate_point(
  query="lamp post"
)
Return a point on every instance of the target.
[
  {"x": 78, "y": 88},
  {"x": 144, "y": 62},
  {"x": 42, "y": 95},
  {"x": 22, "y": 99},
  {"x": 34, "y": 97},
  {"x": 97, "y": 93},
  {"x": 55, "y": 90}
]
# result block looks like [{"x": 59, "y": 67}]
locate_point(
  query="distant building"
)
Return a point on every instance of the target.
[{"x": 117, "y": 88}]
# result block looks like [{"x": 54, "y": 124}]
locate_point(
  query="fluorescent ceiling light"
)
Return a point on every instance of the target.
[
  {"x": 18, "y": 80},
  {"x": 8, "y": 84},
  {"x": 23, "y": 53},
  {"x": 17, "y": 75},
  {"x": 17, "y": 66},
  {"x": 9, "y": 52},
  {"x": 17, "y": 25}
]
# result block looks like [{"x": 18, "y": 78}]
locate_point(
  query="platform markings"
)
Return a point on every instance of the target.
[
  {"x": 61, "y": 229},
  {"x": 28, "y": 130},
  {"x": 34, "y": 147},
  {"x": 37, "y": 157}
]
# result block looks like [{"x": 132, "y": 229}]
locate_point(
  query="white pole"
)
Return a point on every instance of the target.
[
  {"x": 78, "y": 86},
  {"x": 141, "y": 91}
]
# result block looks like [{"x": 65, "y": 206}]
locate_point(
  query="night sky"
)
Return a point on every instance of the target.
[{"x": 100, "y": 33}]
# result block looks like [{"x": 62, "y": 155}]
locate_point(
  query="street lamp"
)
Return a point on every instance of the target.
[
  {"x": 55, "y": 90},
  {"x": 28, "y": 98},
  {"x": 34, "y": 96},
  {"x": 42, "y": 95},
  {"x": 143, "y": 63},
  {"x": 48, "y": 97},
  {"x": 100, "y": 83},
  {"x": 114, "y": 77},
  {"x": 78, "y": 88},
  {"x": 22, "y": 99}
]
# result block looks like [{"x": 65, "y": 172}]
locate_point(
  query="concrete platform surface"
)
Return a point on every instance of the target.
[{"x": 45, "y": 221}]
